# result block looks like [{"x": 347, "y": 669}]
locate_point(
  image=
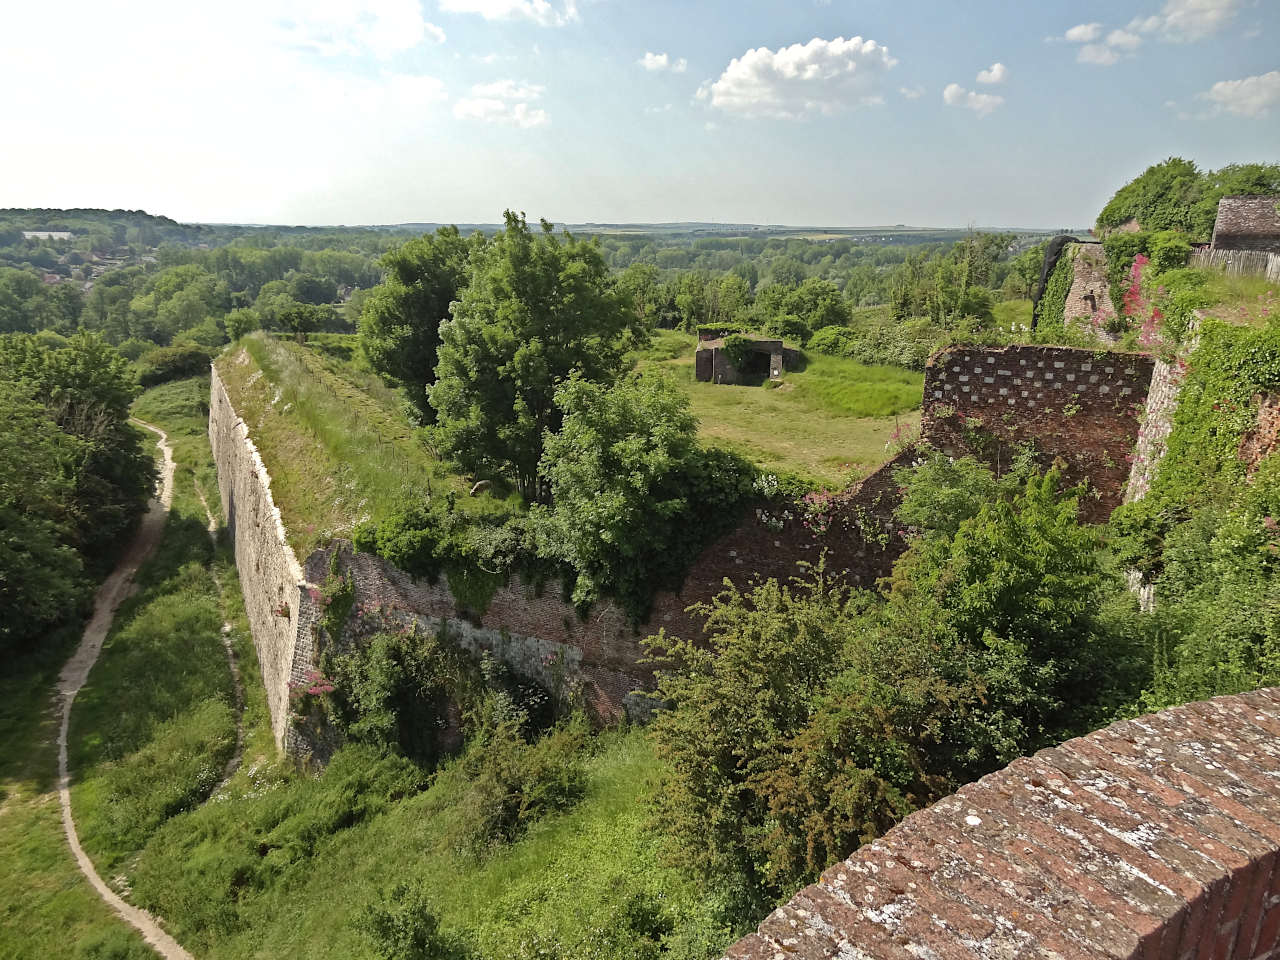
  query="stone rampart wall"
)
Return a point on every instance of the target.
[
  {"x": 1078, "y": 406},
  {"x": 1156, "y": 838},
  {"x": 270, "y": 576}
]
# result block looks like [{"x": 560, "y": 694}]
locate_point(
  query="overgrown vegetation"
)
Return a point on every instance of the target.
[{"x": 1176, "y": 195}]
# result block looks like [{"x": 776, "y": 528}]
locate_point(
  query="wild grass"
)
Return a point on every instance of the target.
[
  {"x": 562, "y": 889},
  {"x": 830, "y": 421},
  {"x": 338, "y": 446},
  {"x": 1246, "y": 300}
]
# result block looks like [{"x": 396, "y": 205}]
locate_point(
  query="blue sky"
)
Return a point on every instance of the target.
[{"x": 847, "y": 112}]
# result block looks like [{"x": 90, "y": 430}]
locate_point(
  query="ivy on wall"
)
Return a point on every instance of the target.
[{"x": 1053, "y": 303}]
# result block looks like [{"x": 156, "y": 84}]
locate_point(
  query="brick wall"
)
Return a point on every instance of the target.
[
  {"x": 1078, "y": 406},
  {"x": 1153, "y": 838},
  {"x": 1089, "y": 298}
]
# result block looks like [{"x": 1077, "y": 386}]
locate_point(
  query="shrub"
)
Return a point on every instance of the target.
[
  {"x": 1169, "y": 250},
  {"x": 401, "y": 926},
  {"x": 176, "y": 362},
  {"x": 399, "y": 689},
  {"x": 512, "y": 783}
]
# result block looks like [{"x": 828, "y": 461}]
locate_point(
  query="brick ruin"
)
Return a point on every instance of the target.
[
  {"x": 1089, "y": 299},
  {"x": 711, "y": 362},
  {"x": 1155, "y": 839},
  {"x": 1076, "y": 407}
]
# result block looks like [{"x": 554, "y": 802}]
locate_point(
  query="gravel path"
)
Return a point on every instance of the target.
[{"x": 114, "y": 590}]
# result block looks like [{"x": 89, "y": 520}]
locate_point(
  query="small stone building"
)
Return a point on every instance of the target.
[
  {"x": 712, "y": 364},
  {"x": 1248, "y": 223}
]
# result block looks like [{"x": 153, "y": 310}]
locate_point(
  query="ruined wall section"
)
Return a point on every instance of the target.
[
  {"x": 1089, "y": 299},
  {"x": 1078, "y": 406},
  {"x": 271, "y": 578}
]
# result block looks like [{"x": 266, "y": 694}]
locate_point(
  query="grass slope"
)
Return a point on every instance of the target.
[
  {"x": 334, "y": 439},
  {"x": 828, "y": 422}
]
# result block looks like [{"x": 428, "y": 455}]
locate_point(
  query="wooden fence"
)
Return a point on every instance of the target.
[{"x": 1236, "y": 262}]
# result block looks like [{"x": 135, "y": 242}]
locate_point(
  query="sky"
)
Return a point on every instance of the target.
[{"x": 809, "y": 112}]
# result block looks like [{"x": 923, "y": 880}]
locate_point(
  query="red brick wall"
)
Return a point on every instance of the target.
[
  {"x": 1156, "y": 838},
  {"x": 1077, "y": 406}
]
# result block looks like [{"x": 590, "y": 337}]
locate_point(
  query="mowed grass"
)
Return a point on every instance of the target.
[
  {"x": 338, "y": 446},
  {"x": 831, "y": 421}
]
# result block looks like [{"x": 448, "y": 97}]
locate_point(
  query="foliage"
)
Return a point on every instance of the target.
[
  {"x": 537, "y": 308},
  {"x": 939, "y": 493},
  {"x": 1169, "y": 250},
  {"x": 513, "y": 783},
  {"x": 739, "y": 350},
  {"x": 400, "y": 322},
  {"x": 1051, "y": 323},
  {"x": 40, "y": 572},
  {"x": 401, "y": 926},
  {"x": 634, "y": 499},
  {"x": 1177, "y": 195},
  {"x": 177, "y": 362},
  {"x": 397, "y": 689}
]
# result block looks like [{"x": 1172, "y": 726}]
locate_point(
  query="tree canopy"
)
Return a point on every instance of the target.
[{"x": 538, "y": 308}]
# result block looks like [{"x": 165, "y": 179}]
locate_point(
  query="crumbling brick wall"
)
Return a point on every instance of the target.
[
  {"x": 1089, "y": 299},
  {"x": 1080, "y": 407}
]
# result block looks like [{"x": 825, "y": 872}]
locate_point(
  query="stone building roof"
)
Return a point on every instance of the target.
[
  {"x": 1252, "y": 218},
  {"x": 1157, "y": 837}
]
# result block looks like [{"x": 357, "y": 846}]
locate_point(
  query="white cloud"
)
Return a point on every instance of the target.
[
  {"x": 1083, "y": 33},
  {"x": 503, "y": 101},
  {"x": 382, "y": 28},
  {"x": 912, "y": 93},
  {"x": 1250, "y": 97},
  {"x": 818, "y": 77},
  {"x": 661, "y": 61},
  {"x": 980, "y": 103},
  {"x": 1099, "y": 54},
  {"x": 539, "y": 11},
  {"x": 1123, "y": 40},
  {"x": 1183, "y": 21},
  {"x": 665, "y": 108},
  {"x": 996, "y": 73}
]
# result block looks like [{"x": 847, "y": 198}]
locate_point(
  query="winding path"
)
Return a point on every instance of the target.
[{"x": 112, "y": 592}]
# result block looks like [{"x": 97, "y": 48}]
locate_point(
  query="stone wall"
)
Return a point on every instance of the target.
[
  {"x": 1089, "y": 299},
  {"x": 1155, "y": 839},
  {"x": 1081, "y": 407},
  {"x": 270, "y": 576}
]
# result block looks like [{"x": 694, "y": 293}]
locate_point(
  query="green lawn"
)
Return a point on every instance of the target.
[{"x": 830, "y": 421}]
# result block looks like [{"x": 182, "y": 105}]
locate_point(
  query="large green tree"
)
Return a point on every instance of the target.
[
  {"x": 87, "y": 388},
  {"x": 631, "y": 490},
  {"x": 399, "y": 325},
  {"x": 538, "y": 308}
]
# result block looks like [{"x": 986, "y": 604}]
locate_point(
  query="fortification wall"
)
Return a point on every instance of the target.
[
  {"x": 270, "y": 576},
  {"x": 1156, "y": 838},
  {"x": 1078, "y": 406},
  {"x": 1089, "y": 298}
]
